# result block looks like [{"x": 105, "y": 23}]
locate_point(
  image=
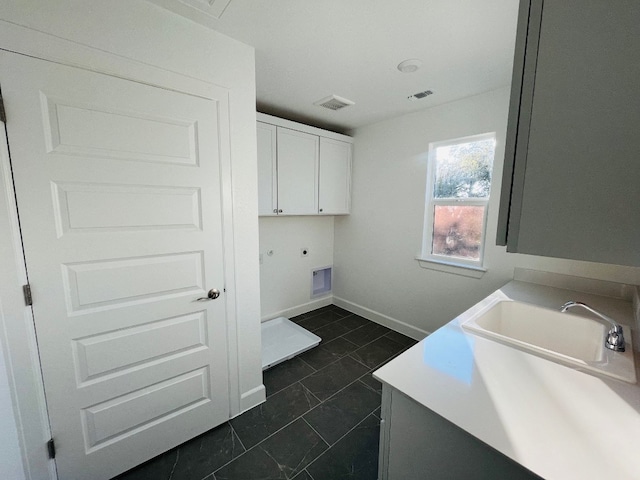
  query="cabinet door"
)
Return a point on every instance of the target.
[
  {"x": 267, "y": 172},
  {"x": 297, "y": 172},
  {"x": 335, "y": 177},
  {"x": 417, "y": 443},
  {"x": 575, "y": 179}
]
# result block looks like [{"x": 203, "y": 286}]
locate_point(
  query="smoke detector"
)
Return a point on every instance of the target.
[
  {"x": 410, "y": 66},
  {"x": 334, "y": 102},
  {"x": 419, "y": 95}
]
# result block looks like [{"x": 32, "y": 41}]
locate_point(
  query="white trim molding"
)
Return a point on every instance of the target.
[
  {"x": 382, "y": 319},
  {"x": 300, "y": 309},
  {"x": 18, "y": 337}
]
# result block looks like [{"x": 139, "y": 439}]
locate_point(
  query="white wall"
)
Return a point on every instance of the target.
[
  {"x": 143, "y": 32},
  {"x": 285, "y": 276},
  {"x": 376, "y": 246},
  {"x": 10, "y": 454}
]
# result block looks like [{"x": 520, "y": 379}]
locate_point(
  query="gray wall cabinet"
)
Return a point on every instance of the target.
[{"x": 571, "y": 182}]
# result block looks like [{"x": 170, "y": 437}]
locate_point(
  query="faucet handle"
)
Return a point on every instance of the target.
[{"x": 615, "y": 340}]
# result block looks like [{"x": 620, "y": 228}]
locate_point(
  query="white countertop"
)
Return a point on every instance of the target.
[{"x": 556, "y": 421}]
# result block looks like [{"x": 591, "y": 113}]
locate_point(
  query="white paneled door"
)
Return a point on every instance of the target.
[{"x": 118, "y": 191}]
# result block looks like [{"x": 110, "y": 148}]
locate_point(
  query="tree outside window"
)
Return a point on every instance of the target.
[{"x": 458, "y": 189}]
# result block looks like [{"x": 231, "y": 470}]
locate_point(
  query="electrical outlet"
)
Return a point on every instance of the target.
[{"x": 304, "y": 252}]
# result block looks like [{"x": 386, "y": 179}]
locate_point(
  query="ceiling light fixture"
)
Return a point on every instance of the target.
[{"x": 410, "y": 65}]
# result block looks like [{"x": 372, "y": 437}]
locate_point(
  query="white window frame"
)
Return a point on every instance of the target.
[{"x": 431, "y": 202}]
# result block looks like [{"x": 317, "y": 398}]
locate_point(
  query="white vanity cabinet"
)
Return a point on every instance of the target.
[{"x": 302, "y": 170}]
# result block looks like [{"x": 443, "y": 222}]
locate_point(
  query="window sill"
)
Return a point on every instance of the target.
[{"x": 452, "y": 267}]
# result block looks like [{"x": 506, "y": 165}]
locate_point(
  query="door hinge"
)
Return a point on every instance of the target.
[
  {"x": 51, "y": 448},
  {"x": 3, "y": 114},
  {"x": 26, "y": 290}
]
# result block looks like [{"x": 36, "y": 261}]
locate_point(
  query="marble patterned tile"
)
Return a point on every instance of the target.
[
  {"x": 331, "y": 331},
  {"x": 303, "y": 476},
  {"x": 326, "y": 353},
  {"x": 334, "y": 377},
  {"x": 354, "y": 321},
  {"x": 340, "y": 310},
  {"x": 299, "y": 318},
  {"x": 280, "y": 409},
  {"x": 196, "y": 458},
  {"x": 353, "y": 457},
  {"x": 377, "y": 352},
  {"x": 371, "y": 382},
  {"x": 339, "y": 414},
  {"x": 401, "y": 339},
  {"x": 281, "y": 456},
  {"x": 366, "y": 334},
  {"x": 318, "y": 321},
  {"x": 285, "y": 374}
]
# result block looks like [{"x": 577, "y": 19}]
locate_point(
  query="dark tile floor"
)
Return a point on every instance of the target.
[{"x": 321, "y": 420}]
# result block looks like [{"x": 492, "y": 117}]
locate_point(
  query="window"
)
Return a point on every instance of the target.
[{"x": 458, "y": 188}]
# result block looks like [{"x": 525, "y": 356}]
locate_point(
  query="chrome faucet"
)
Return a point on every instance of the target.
[{"x": 615, "y": 337}]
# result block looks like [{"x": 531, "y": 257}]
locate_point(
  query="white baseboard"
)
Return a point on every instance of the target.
[
  {"x": 253, "y": 397},
  {"x": 299, "y": 309},
  {"x": 392, "y": 323}
]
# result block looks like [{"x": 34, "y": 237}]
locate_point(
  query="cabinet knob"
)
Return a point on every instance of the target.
[
  {"x": 275, "y": 210},
  {"x": 280, "y": 211},
  {"x": 321, "y": 210}
]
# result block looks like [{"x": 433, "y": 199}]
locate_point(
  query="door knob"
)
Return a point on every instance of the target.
[{"x": 211, "y": 295}]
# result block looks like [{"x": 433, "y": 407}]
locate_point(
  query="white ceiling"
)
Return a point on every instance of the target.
[{"x": 309, "y": 49}]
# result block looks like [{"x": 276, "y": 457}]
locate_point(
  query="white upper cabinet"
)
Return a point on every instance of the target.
[
  {"x": 335, "y": 177},
  {"x": 267, "y": 171},
  {"x": 297, "y": 172},
  {"x": 302, "y": 170}
]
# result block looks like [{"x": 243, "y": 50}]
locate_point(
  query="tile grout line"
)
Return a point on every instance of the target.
[
  {"x": 338, "y": 440},
  {"x": 301, "y": 417},
  {"x": 236, "y": 433},
  {"x": 312, "y": 394},
  {"x": 271, "y": 435},
  {"x": 308, "y": 364},
  {"x": 330, "y": 363},
  {"x": 233, "y": 430},
  {"x": 369, "y": 387},
  {"x": 361, "y": 363},
  {"x": 317, "y": 432},
  {"x": 336, "y": 393},
  {"x": 340, "y": 318},
  {"x": 345, "y": 355}
]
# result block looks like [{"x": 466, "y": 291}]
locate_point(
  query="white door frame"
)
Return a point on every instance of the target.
[{"x": 18, "y": 340}]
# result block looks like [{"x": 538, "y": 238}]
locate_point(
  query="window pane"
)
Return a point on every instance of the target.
[
  {"x": 457, "y": 231},
  {"x": 464, "y": 170}
]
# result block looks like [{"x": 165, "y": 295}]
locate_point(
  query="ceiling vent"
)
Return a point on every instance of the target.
[
  {"x": 334, "y": 102},
  {"x": 419, "y": 95}
]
